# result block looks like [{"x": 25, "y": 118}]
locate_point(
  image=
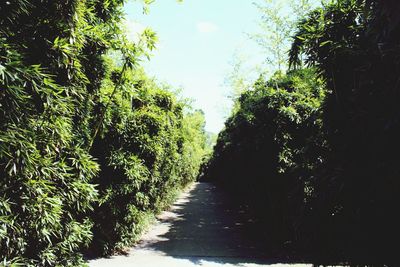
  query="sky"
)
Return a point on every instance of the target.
[{"x": 197, "y": 43}]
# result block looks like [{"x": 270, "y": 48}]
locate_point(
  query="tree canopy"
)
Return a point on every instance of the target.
[
  {"x": 313, "y": 151},
  {"x": 88, "y": 144}
]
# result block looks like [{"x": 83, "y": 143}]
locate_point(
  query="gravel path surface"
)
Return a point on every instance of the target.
[{"x": 201, "y": 229}]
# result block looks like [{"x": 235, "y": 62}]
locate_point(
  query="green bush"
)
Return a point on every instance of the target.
[
  {"x": 46, "y": 170},
  {"x": 61, "y": 103},
  {"x": 355, "y": 47},
  {"x": 270, "y": 147},
  {"x": 45, "y": 173},
  {"x": 145, "y": 158},
  {"x": 320, "y": 166}
]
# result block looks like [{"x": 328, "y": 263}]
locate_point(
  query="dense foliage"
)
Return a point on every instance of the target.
[
  {"x": 355, "y": 46},
  {"x": 273, "y": 141},
  {"x": 322, "y": 171},
  {"x": 81, "y": 138},
  {"x": 150, "y": 149}
]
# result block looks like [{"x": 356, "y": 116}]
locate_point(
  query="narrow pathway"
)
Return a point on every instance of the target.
[{"x": 202, "y": 229}]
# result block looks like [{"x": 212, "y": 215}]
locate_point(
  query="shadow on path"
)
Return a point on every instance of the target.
[
  {"x": 203, "y": 228},
  {"x": 205, "y": 225}
]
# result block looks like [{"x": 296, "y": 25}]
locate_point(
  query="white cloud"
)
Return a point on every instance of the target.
[{"x": 206, "y": 27}]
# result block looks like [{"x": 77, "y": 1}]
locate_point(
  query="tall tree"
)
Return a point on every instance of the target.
[
  {"x": 355, "y": 46},
  {"x": 278, "y": 24}
]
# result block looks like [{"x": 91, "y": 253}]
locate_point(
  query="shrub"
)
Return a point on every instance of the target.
[
  {"x": 145, "y": 159},
  {"x": 270, "y": 147},
  {"x": 59, "y": 98}
]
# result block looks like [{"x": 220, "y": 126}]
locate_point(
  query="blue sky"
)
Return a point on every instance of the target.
[{"x": 197, "y": 42}]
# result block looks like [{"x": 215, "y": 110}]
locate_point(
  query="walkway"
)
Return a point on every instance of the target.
[{"x": 202, "y": 229}]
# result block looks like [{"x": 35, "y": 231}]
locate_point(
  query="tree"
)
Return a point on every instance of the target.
[
  {"x": 278, "y": 24},
  {"x": 61, "y": 99},
  {"x": 270, "y": 148},
  {"x": 354, "y": 45}
]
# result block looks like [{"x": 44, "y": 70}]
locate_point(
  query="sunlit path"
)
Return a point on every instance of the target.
[{"x": 202, "y": 229}]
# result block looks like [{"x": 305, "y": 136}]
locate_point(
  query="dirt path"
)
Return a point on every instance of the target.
[{"x": 202, "y": 229}]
